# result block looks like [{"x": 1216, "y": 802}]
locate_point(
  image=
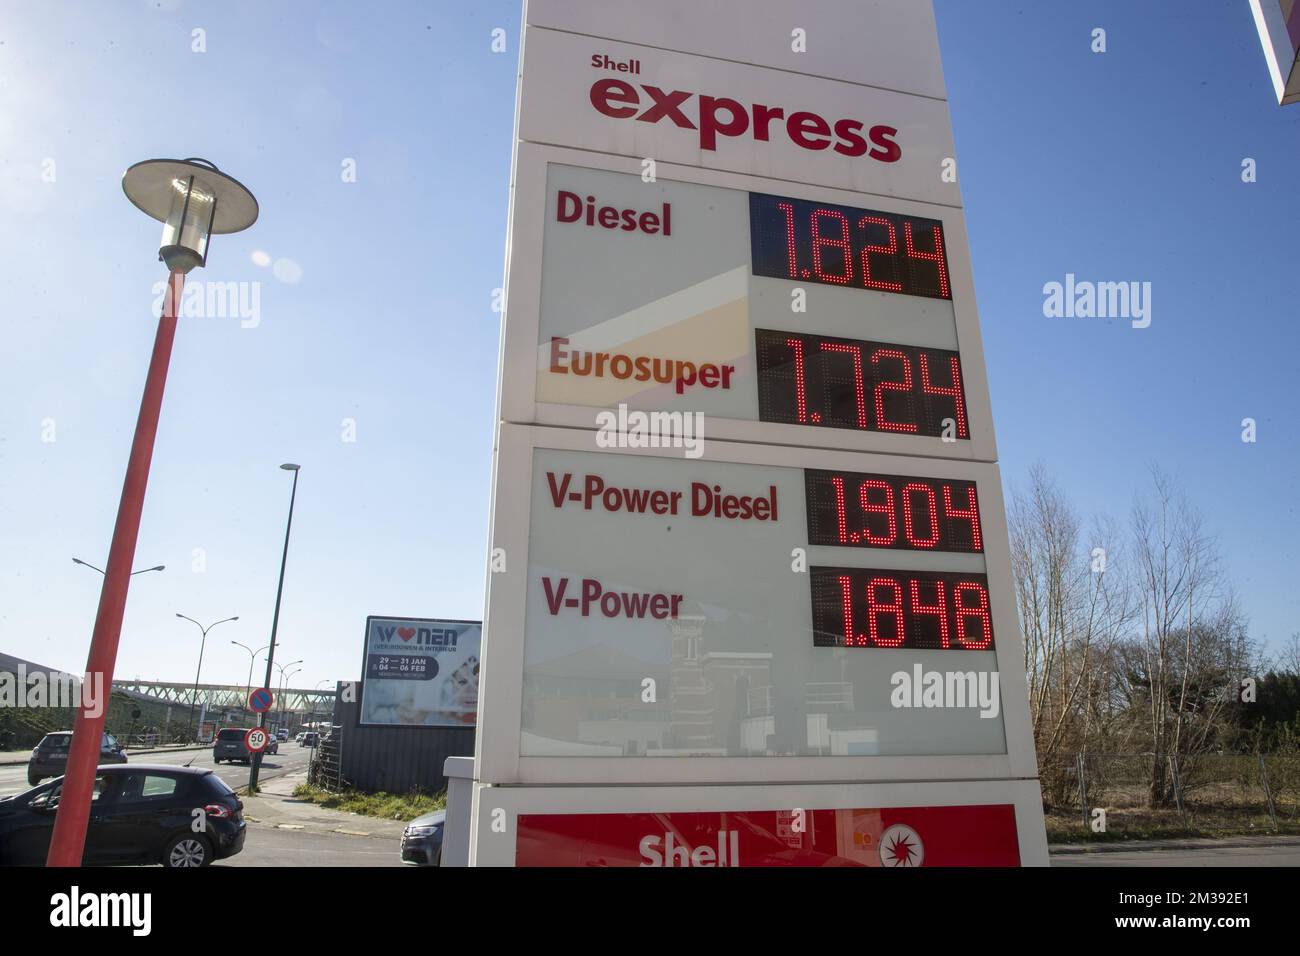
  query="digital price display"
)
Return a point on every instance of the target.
[
  {"x": 841, "y": 245},
  {"x": 871, "y": 607},
  {"x": 892, "y": 511},
  {"x": 870, "y": 386}
]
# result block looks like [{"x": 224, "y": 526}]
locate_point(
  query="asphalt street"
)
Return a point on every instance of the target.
[
  {"x": 291, "y": 758},
  {"x": 268, "y": 845}
]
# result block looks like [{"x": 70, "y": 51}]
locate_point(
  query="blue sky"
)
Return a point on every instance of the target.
[{"x": 376, "y": 300}]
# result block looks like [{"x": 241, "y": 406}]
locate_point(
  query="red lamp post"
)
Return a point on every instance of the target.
[{"x": 194, "y": 201}]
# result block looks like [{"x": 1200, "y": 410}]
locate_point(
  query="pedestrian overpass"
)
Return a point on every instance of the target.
[{"x": 219, "y": 697}]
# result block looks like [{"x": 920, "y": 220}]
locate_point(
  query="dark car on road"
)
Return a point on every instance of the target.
[
  {"x": 50, "y": 757},
  {"x": 422, "y": 839},
  {"x": 230, "y": 745},
  {"x": 142, "y": 813}
]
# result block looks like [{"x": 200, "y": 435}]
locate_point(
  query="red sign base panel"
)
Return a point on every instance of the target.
[{"x": 897, "y": 837}]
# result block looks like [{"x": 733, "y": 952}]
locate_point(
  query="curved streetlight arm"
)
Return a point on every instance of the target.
[
  {"x": 87, "y": 564},
  {"x": 194, "y": 698}
]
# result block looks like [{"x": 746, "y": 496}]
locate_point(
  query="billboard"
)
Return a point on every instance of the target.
[{"x": 420, "y": 672}]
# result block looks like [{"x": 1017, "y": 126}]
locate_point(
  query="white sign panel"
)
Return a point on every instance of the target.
[
  {"x": 672, "y": 107},
  {"x": 690, "y": 296},
  {"x": 702, "y": 639},
  {"x": 838, "y": 615},
  {"x": 900, "y": 51}
]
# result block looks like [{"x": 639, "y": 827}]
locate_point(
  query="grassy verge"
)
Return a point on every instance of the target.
[
  {"x": 386, "y": 806},
  {"x": 1123, "y": 830}
]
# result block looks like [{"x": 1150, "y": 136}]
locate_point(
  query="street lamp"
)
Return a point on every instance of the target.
[
  {"x": 284, "y": 682},
  {"x": 194, "y": 201},
  {"x": 87, "y": 564},
  {"x": 284, "y": 692},
  {"x": 313, "y": 703},
  {"x": 252, "y": 656},
  {"x": 275, "y": 620},
  {"x": 202, "y": 643}
]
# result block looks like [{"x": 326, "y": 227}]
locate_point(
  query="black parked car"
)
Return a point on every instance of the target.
[
  {"x": 139, "y": 814},
  {"x": 422, "y": 839},
  {"x": 50, "y": 757}
]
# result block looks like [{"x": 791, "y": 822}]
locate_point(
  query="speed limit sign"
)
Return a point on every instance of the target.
[{"x": 256, "y": 740}]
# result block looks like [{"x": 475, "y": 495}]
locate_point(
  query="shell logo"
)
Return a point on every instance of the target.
[{"x": 900, "y": 845}]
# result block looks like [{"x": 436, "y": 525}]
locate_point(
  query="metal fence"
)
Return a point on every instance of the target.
[
  {"x": 325, "y": 769},
  {"x": 1163, "y": 794}
]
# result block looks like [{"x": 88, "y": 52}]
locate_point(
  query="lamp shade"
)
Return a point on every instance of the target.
[{"x": 194, "y": 201}]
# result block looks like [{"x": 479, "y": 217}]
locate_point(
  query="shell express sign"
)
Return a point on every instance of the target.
[{"x": 747, "y": 518}]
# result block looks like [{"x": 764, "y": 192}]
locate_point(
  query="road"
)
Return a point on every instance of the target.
[
  {"x": 290, "y": 758},
  {"x": 272, "y": 846}
]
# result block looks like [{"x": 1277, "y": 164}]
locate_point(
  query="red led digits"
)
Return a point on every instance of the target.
[
  {"x": 980, "y": 612},
  {"x": 842, "y": 244},
  {"x": 805, "y": 380},
  {"x": 929, "y": 610},
  {"x": 939, "y": 609},
  {"x": 801, "y": 389},
  {"x": 937, "y": 257},
  {"x": 953, "y": 391},
  {"x": 891, "y": 250},
  {"x": 846, "y": 596},
  {"x": 970, "y": 513},
  {"x": 858, "y": 389},
  {"x": 893, "y": 608},
  {"x": 932, "y": 516},
  {"x": 841, "y": 522},
  {"x": 881, "y": 387},
  {"x": 856, "y": 510},
  {"x": 789, "y": 239},
  {"x": 793, "y": 258},
  {"x": 886, "y": 509}
]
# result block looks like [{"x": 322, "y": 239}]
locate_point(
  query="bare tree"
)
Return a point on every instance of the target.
[
  {"x": 1073, "y": 607},
  {"x": 1288, "y": 660},
  {"x": 1190, "y": 621}
]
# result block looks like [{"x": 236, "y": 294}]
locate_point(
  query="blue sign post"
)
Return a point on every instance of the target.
[{"x": 260, "y": 700}]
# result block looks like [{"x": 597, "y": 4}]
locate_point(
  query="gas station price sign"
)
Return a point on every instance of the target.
[{"x": 808, "y": 302}]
